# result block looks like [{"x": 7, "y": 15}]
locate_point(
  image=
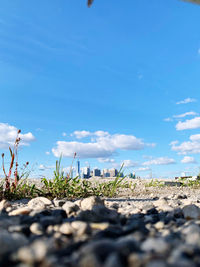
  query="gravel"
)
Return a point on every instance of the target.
[{"x": 153, "y": 227}]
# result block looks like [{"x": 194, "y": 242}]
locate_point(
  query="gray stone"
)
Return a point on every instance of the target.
[
  {"x": 90, "y": 202},
  {"x": 156, "y": 263},
  {"x": 191, "y": 212},
  {"x": 11, "y": 241},
  {"x": 98, "y": 214},
  {"x": 80, "y": 227},
  {"x": 39, "y": 203},
  {"x": 113, "y": 260},
  {"x": 34, "y": 253},
  {"x": 158, "y": 245},
  {"x": 58, "y": 202},
  {"x": 70, "y": 208},
  {"x": 101, "y": 250}
]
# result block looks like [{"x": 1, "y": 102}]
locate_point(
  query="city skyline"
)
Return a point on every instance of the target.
[{"x": 115, "y": 84}]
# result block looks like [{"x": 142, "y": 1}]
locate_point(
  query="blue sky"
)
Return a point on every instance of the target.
[{"x": 115, "y": 82}]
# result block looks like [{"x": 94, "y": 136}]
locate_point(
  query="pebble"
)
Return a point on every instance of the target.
[
  {"x": 66, "y": 229},
  {"x": 98, "y": 232},
  {"x": 191, "y": 212},
  {"x": 158, "y": 245},
  {"x": 90, "y": 202},
  {"x": 39, "y": 203},
  {"x": 20, "y": 211},
  {"x": 36, "y": 228},
  {"x": 4, "y": 204},
  {"x": 70, "y": 207}
]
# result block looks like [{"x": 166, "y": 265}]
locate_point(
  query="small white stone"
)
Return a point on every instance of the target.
[
  {"x": 39, "y": 203},
  {"x": 36, "y": 228},
  {"x": 89, "y": 202},
  {"x": 4, "y": 204},
  {"x": 66, "y": 229},
  {"x": 20, "y": 211}
]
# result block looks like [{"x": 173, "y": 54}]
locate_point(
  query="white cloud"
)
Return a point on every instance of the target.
[
  {"x": 160, "y": 161},
  {"x": 188, "y": 124},
  {"x": 188, "y": 159},
  {"x": 186, "y": 100},
  {"x": 189, "y": 147},
  {"x": 168, "y": 119},
  {"x": 190, "y": 113},
  {"x": 183, "y": 115},
  {"x": 130, "y": 163},
  {"x": 43, "y": 167},
  {"x": 81, "y": 134},
  {"x": 47, "y": 153},
  {"x": 8, "y": 135},
  {"x": 106, "y": 160},
  {"x": 64, "y": 134},
  {"x": 174, "y": 143},
  {"x": 104, "y": 145},
  {"x": 143, "y": 169}
]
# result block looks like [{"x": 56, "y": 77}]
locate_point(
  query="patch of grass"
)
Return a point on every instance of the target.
[
  {"x": 190, "y": 183},
  {"x": 61, "y": 186},
  {"x": 155, "y": 183}
]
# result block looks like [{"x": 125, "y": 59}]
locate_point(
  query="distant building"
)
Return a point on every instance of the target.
[
  {"x": 113, "y": 172},
  {"x": 86, "y": 172},
  {"x": 78, "y": 170},
  {"x": 106, "y": 173},
  {"x": 97, "y": 172},
  {"x": 132, "y": 175}
]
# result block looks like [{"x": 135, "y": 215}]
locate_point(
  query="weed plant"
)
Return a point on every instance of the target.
[
  {"x": 154, "y": 183},
  {"x": 60, "y": 186}
]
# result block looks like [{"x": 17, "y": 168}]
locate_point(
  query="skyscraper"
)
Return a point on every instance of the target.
[{"x": 78, "y": 168}]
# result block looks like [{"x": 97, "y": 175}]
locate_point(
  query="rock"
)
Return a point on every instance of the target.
[
  {"x": 59, "y": 213},
  {"x": 39, "y": 203},
  {"x": 114, "y": 206},
  {"x": 159, "y": 225},
  {"x": 134, "y": 260},
  {"x": 114, "y": 260},
  {"x": 192, "y": 234},
  {"x": 98, "y": 214},
  {"x": 157, "y": 245},
  {"x": 99, "y": 226},
  {"x": 11, "y": 241},
  {"x": 127, "y": 245},
  {"x": 101, "y": 249},
  {"x": 181, "y": 196},
  {"x": 34, "y": 253},
  {"x": 58, "y": 202},
  {"x": 20, "y": 228},
  {"x": 147, "y": 207},
  {"x": 191, "y": 212},
  {"x": 70, "y": 207},
  {"x": 156, "y": 263},
  {"x": 90, "y": 202},
  {"x": 89, "y": 260},
  {"x": 36, "y": 229},
  {"x": 4, "y": 204},
  {"x": 80, "y": 228},
  {"x": 20, "y": 211},
  {"x": 66, "y": 229},
  {"x": 50, "y": 220}
]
